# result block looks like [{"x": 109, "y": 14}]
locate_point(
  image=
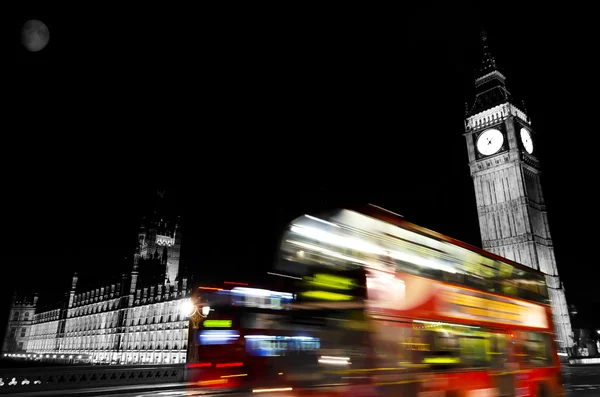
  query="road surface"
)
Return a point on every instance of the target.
[{"x": 581, "y": 381}]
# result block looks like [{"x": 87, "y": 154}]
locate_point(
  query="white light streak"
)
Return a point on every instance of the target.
[
  {"x": 330, "y": 253},
  {"x": 363, "y": 246},
  {"x": 284, "y": 275},
  {"x": 442, "y": 324},
  {"x": 321, "y": 220},
  {"x": 333, "y": 360},
  {"x": 262, "y": 293}
]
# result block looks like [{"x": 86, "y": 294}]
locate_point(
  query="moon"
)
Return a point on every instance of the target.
[{"x": 35, "y": 35}]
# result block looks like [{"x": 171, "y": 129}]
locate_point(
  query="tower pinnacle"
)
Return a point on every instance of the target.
[
  {"x": 488, "y": 63},
  {"x": 490, "y": 87}
]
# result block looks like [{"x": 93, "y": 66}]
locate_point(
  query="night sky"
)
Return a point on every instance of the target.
[{"x": 250, "y": 117}]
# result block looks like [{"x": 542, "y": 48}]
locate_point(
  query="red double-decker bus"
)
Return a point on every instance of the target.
[
  {"x": 379, "y": 306},
  {"x": 411, "y": 312}
]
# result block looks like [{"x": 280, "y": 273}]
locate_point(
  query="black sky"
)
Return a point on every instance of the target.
[{"x": 253, "y": 116}]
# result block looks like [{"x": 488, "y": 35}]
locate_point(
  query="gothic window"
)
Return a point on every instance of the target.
[
  {"x": 23, "y": 330},
  {"x": 13, "y": 331},
  {"x": 26, "y": 316},
  {"x": 16, "y": 316}
]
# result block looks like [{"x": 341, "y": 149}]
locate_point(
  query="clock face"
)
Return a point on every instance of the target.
[
  {"x": 526, "y": 139},
  {"x": 490, "y": 142}
]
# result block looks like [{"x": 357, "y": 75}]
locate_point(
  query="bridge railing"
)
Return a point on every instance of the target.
[{"x": 16, "y": 380}]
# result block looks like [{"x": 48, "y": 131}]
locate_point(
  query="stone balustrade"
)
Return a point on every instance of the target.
[{"x": 27, "y": 380}]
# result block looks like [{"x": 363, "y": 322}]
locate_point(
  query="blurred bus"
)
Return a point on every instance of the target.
[
  {"x": 405, "y": 311},
  {"x": 247, "y": 338}
]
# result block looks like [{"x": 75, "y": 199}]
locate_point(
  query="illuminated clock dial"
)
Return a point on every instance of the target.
[
  {"x": 526, "y": 139},
  {"x": 490, "y": 142}
]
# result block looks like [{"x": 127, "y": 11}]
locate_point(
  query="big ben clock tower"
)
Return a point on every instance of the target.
[{"x": 506, "y": 173}]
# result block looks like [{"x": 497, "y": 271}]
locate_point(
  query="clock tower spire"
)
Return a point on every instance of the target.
[
  {"x": 490, "y": 83},
  {"x": 513, "y": 221}
]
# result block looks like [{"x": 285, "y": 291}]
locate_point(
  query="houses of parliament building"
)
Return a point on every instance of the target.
[{"x": 136, "y": 320}]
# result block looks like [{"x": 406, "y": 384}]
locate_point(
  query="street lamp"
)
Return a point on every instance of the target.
[
  {"x": 188, "y": 309},
  {"x": 193, "y": 310}
]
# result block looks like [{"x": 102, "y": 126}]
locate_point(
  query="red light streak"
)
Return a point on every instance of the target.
[
  {"x": 197, "y": 365},
  {"x": 229, "y": 365},
  {"x": 211, "y": 288},
  {"x": 235, "y": 283}
]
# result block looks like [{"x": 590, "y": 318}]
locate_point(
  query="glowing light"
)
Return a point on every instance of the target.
[
  {"x": 199, "y": 365},
  {"x": 214, "y": 337},
  {"x": 211, "y": 288},
  {"x": 205, "y": 310},
  {"x": 325, "y": 295},
  {"x": 227, "y": 365},
  {"x": 333, "y": 360},
  {"x": 273, "y": 337},
  {"x": 441, "y": 360},
  {"x": 333, "y": 254},
  {"x": 217, "y": 323},
  {"x": 186, "y": 307},
  {"x": 264, "y": 293},
  {"x": 439, "y": 323},
  {"x": 233, "y": 376},
  {"x": 321, "y": 220},
  {"x": 235, "y": 283},
  {"x": 366, "y": 247},
  {"x": 212, "y": 382},
  {"x": 272, "y": 390},
  {"x": 331, "y": 281}
]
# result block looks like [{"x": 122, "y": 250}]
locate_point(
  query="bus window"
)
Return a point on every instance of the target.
[
  {"x": 498, "y": 350},
  {"x": 279, "y": 345},
  {"x": 536, "y": 349},
  {"x": 438, "y": 346}
]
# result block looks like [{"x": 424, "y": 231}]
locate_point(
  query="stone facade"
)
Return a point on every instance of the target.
[
  {"x": 136, "y": 320},
  {"x": 20, "y": 318},
  {"x": 510, "y": 203},
  {"x": 108, "y": 326}
]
